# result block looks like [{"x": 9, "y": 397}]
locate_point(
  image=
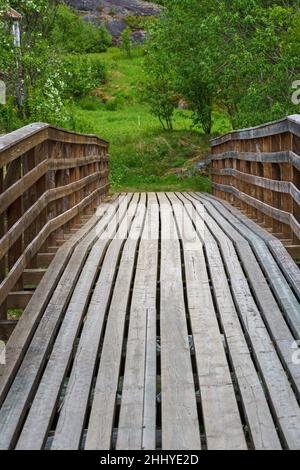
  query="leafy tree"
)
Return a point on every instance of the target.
[
  {"x": 126, "y": 41},
  {"x": 40, "y": 78},
  {"x": 240, "y": 55},
  {"x": 178, "y": 45}
]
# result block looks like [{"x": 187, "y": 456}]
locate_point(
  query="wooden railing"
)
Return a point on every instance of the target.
[
  {"x": 49, "y": 180},
  {"x": 258, "y": 170}
]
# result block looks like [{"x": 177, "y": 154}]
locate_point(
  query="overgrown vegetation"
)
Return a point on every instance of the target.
[
  {"x": 239, "y": 55},
  {"x": 126, "y": 41},
  {"x": 142, "y": 155},
  {"x": 228, "y": 64},
  {"x": 42, "y": 75}
]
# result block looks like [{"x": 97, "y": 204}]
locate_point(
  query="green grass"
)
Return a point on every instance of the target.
[
  {"x": 143, "y": 157},
  {"x": 14, "y": 314}
]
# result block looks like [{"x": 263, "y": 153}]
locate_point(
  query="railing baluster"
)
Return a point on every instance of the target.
[
  {"x": 14, "y": 213},
  {"x": 49, "y": 177},
  {"x": 3, "y": 260},
  {"x": 255, "y": 170}
]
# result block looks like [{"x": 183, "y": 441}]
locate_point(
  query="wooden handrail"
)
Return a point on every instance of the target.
[
  {"x": 258, "y": 170},
  {"x": 290, "y": 124},
  {"x": 49, "y": 179}
]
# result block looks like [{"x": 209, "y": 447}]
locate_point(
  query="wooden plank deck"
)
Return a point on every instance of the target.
[{"x": 168, "y": 321}]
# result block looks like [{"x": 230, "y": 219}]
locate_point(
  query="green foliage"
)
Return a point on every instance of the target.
[
  {"x": 241, "y": 55},
  {"x": 126, "y": 42},
  {"x": 159, "y": 91},
  {"x": 82, "y": 74},
  {"x": 9, "y": 119},
  {"x": 14, "y": 314},
  {"x": 41, "y": 78},
  {"x": 149, "y": 164},
  {"x": 137, "y": 23},
  {"x": 72, "y": 33},
  {"x": 89, "y": 103},
  {"x": 142, "y": 156}
]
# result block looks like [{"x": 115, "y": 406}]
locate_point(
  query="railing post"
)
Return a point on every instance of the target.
[
  {"x": 13, "y": 213},
  {"x": 51, "y": 184},
  {"x": 286, "y": 200},
  {"x": 29, "y": 162},
  {"x": 41, "y": 154},
  {"x": 3, "y": 307},
  {"x": 267, "y": 168}
]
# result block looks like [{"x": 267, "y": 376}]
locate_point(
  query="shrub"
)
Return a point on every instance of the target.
[
  {"x": 9, "y": 119},
  {"x": 137, "y": 23},
  {"x": 72, "y": 33},
  {"x": 82, "y": 75},
  {"x": 126, "y": 42}
]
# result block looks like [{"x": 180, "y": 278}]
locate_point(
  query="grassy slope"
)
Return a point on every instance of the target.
[{"x": 143, "y": 156}]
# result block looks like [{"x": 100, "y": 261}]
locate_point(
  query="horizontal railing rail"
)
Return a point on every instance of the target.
[
  {"x": 258, "y": 170},
  {"x": 50, "y": 179}
]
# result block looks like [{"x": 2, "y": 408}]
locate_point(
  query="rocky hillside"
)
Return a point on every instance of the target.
[{"x": 115, "y": 14}]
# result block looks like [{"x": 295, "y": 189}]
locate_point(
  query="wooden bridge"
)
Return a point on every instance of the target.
[{"x": 149, "y": 321}]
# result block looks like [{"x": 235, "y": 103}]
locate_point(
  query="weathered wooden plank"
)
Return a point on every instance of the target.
[
  {"x": 281, "y": 394},
  {"x": 272, "y": 315},
  {"x": 14, "y": 173},
  {"x": 33, "y": 276},
  {"x": 18, "y": 398},
  {"x": 180, "y": 426},
  {"x": 277, "y": 214},
  {"x": 101, "y": 420},
  {"x": 137, "y": 422},
  {"x": 29, "y": 217},
  {"x": 26, "y": 325},
  {"x": 19, "y": 187},
  {"x": 262, "y": 157},
  {"x": 289, "y": 124},
  {"x": 18, "y": 299},
  {"x": 62, "y": 135},
  {"x": 285, "y": 187},
  {"x": 19, "y": 142},
  {"x": 223, "y": 427},
  {"x": 3, "y": 261},
  {"x": 43, "y": 407},
  {"x": 10, "y": 281},
  {"x": 45, "y": 259},
  {"x": 70, "y": 425},
  {"x": 64, "y": 163},
  {"x": 15, "y": 190},
  {"x": 285, "y": 262},
  {"x": 281, "y": 289},
  {"x": 286, "y": 156},
  {"x": 254, "y": 402}
]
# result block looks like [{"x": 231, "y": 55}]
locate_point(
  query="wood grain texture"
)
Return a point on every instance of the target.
[
  {"x": 18, "y": 397},
  {"x": 164, "y": 317},
  {"x": 255, "y": 405},
  {"x": 281, "y": 395},
  {"x": 43, "y": 405},
  {"x": 43, "y": 170},
  {"x": 137, "y": 428},
  {"x": 100, "y": 424},
  {"x": 223, "y": 427},
  {"x": 257, "y": 170},
  {"x": 180, "y": 429}
]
